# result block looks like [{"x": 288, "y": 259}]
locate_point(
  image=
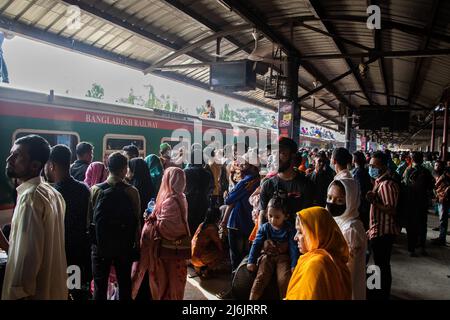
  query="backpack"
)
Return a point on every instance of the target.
[{"x": 114, "y": 220}]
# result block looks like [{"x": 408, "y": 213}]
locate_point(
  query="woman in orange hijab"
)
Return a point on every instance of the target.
[{"x": 321, "y": 272}]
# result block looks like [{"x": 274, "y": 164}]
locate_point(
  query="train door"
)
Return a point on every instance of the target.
[
  {"x": 68, "y": 138},
  {"x": 115, "y": 142}
]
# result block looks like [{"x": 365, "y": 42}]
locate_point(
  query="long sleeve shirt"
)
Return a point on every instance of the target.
[
  {"x": 267, "y": 232},
  {"x": 37, "y": 267},
  {"x": 241, "y": 214}
]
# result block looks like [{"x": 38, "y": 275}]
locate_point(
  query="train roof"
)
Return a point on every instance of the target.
[{"x": 18, "y": 94}]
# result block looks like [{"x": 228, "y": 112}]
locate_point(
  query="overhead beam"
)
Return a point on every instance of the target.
[
  {"x": 198, "y": 44},
  {"x": 34, "y": 33},
  {"x": 201, "y": 85},
  {"x": 183, "y": 66},
  {"x": 381, "y": 54},
  {"x": 421, "y": 106},
  {"x": 330, "y": 82},
  {"x": 322, "y": 114},
  {"x": 67, "y": 43},
  {"x": 113, "y": 16},
  {"x": 6, "y": 5},
  {"x": 386, "y": 23},
  {"x": 200, "y": 18},
  {"x": 242, "y": 9},
  {"x": 335, "y": 36},
  {"x": 328, "y": 103},
  {"x": 413, "y": 89},
  {"x": 317, "y": 10},
  {"x": 378, "y": 41},
  {"x": 198, "y": 84}
]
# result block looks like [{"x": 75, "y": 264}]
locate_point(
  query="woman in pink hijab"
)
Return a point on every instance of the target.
[
  {"x": 95, "y": 173},
  {"x": 167, "y": 277}
]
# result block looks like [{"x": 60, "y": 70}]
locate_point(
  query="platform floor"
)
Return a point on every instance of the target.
[{"x": 413, "y": 278}]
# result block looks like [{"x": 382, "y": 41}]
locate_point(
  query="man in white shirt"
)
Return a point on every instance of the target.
[
  {"x": 36, "y": 267},
  {"x": 341, "y": 159}
]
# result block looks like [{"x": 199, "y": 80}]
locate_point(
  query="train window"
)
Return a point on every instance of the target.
[
  {"x": 115, "y": 142},
  {"x": 69, "y": 139}
]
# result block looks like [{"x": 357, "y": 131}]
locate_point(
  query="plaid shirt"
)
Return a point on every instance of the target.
[{"x": 382, "y": 223}]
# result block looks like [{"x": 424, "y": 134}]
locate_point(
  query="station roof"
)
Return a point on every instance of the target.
[{"x": 408, "y": 58}]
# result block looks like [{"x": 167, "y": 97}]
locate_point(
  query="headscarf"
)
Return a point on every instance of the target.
[
  {"x": 95, "y": 173},
  {"x": 321, "y": 273},
  {"x": 322, "y": 233},
  {"x": 141, "y": 180},
  {"x": 156, "y": 171},
  {"x": 353, "y": 231},
  {"x": 172, "y": 188},
  {"x": 352, "y": 199},
  {"x": 172, "y": 185},
  {"x": 163, "y": 147}
]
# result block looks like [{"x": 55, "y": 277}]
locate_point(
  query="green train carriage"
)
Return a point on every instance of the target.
[{"x": 109, "y": 127}]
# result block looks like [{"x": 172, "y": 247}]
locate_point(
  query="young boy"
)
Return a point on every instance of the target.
[{"x": 280, "y": 250}]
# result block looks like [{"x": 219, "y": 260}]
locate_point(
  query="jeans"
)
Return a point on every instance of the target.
[
  {"x": 443, "y": 220},
  {"x": 382, "y": 249},
  {"x": 239, "y": 248},
  {"x": 4, "y": 70},
  {"x": 100, "y": 270}
]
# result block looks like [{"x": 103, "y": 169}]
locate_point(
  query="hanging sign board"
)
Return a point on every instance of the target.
[{"x": 285, "y": 119}]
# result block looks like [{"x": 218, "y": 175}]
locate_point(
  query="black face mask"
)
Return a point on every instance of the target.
[{"x": 336, "y": 210}]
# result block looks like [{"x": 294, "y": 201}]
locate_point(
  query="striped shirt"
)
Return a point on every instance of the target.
[{"x": 382, "y": 223}]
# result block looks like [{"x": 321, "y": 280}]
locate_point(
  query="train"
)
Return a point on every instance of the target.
[{"x": 108, "y": 126}]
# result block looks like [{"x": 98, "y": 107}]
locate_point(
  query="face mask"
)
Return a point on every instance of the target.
[
  {"x": 374, "y": 172},
  {"x": 336, "y": 210}
]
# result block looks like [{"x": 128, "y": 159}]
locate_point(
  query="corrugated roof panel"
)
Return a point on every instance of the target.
[
  {"x": 415, "y": 13},
  {"x": 399, "y": 41},
  {"x": 215, "y": 12},
  {"x": 280, "y": 8},
  {"x": 441, "y": 24},
  {"x": 355, "y": 31},
  {"x": 344, "y": 7},
  {"x": 402, "y": 75},
  {"x": 176, "y": 27},
  {"x": 31, "y": 12},
  {"x": 16, "y": 7}
]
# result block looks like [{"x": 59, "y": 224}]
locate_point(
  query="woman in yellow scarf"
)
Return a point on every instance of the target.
[{"x": 321, "y": 272}]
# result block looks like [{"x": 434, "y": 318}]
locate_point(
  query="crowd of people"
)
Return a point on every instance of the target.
[
  {"x": 317, "y": 132},
  {"x": 306, "y": 220}
]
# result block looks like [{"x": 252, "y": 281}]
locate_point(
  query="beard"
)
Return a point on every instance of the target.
[
  {"x": 284, "y": 166},
  {"x": 10, "y": 173}
]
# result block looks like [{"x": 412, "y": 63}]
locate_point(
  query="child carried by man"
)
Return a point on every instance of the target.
[{"x": 280, "y": 250}]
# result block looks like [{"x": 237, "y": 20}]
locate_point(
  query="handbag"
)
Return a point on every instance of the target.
[{"x": 176, "y": 249}]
